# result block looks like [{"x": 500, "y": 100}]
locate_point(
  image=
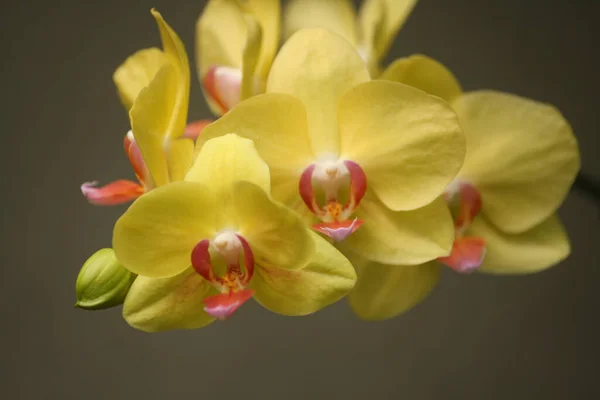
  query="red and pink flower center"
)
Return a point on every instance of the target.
[
  {"x": 334, "y": 180},
  {"x": 468, "y": 252},
  {"x": 232, "y": 248}
]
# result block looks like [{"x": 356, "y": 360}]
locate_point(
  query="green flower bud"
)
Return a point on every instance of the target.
[{"x": 102, "y": 281}]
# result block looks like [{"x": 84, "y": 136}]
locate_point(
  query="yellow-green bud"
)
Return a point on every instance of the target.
[{"x": 102, "y": 281}]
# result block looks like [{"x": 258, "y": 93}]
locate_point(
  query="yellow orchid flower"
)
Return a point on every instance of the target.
[
  {"x": 369, "y": 157},
  {"x": 522, "y": 158},
  {"x": 371, "y": 31},
  {"x": 204, "y": 246},
  {"x": 236, "y": 41},
  {"x": 154, "y": 86}
]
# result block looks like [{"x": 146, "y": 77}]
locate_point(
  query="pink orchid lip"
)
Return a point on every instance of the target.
[
  {"x": 335, "y": 216},
  {"x": 222, "y": 306},
  {"x": 223, "y": 85},
  {"x": 337, "y": 230},
  {"x": 468, "y": 252},
  {"x": 114, "y": 193},
  {"x": 232, "y": 285}
]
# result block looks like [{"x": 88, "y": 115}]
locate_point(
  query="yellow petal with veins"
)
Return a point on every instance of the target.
[
  {"x": 267, "y": 14},
  {"x": 327, "y": 278},
  {"x": 180, "y": 155},
  {"x": 401, "y": 237},
  {"x": 337, "y": 16},
  {"x": 136, "y": 73},
  {"x": 150, "y": 119},
  {"x": 385, "y": 291},
  {"x": 408, "y": 143},
  {"x": 426, "y": 74},
  {"x": 521, "y": 155},
  {"x": 156, "y": 235},
  {"x": 175, "y": 49},
  {"x": 370, "y": 21},
  {"x": 276, "y": 234},
  {"x": 221, "y": 163},
  {"x": 251, "y": 58},
  {"x": 161, "y": 304},
  {"x": 277, "y": 125},
  {"x": 531, "y": 251},
  {"x": 220, "y": 35},
  {"x": 384, "y": 18},
  {"x": 159, "y": 112},
  {"x": 317, "y": 67}
]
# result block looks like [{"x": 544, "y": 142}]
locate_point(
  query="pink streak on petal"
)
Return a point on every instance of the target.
[
  {"x": 222, "y": 306},
  {"x": 117, "y": 192},
  {"x": 467, "y": 254},
  {"x": 337, "y": 230},
  {"x": 195, "y": 128}
]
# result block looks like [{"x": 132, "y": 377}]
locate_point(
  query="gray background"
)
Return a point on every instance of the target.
[{"x": 476, "y": 337}]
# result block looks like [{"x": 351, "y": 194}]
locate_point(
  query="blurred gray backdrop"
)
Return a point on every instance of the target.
[{"x": 476, "y": 337}]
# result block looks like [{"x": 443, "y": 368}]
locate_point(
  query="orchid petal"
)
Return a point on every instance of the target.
[
  {"x": 222, "y": 162},
  {"x": 408, "y": 143},
  {"x": 381, "y": 20},
  {"x": 251, "y": 58},
  {"x": 150, "y": 118},
  {"x": 136, "y": 73},
  {"x": 328, "y": 277},
  {"x": 156, "y": 235},
  {"x": 277, "y": 235},
  {"x": 220, "y": 36},
  {"x": 180, "y": 155},
  {"x": 521, "y": 155},
  {"x": 161, "y": 304},
  {"x": 159, "y": 112},
  {"x": 175, "y": 49},
  {"x": 118, "y": 192},
  {"x": 268, "y": 15},
  {"x": 401, "y": 237},
  {"x": 426, "y": 74},
  {"x": 337, "y": 16},
  {"x": 277, "y": 125},
  {"x": 385, "y": 291},
  {"x": 531, "y": 251},
  {"x": 317, "y": 67},
  {"x": 244, "y": 36}
]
